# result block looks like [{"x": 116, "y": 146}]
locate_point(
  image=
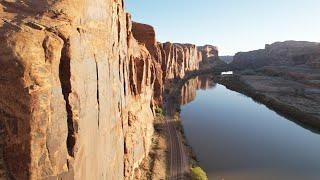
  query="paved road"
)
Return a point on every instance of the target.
[{"x": 178, "y": 158}]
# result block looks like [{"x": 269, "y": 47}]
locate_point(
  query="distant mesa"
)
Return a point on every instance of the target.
[{"x": 289, "y": 53}]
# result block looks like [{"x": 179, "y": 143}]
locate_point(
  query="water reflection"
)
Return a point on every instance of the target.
[
  {"x": 236, "y": 138},
  {"x": 188, "y": 90}
]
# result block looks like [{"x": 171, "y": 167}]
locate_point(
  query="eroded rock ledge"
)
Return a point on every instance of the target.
[{"x": 78, "y": 90}]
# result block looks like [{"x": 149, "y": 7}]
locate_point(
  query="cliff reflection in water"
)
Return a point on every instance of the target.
[{"x": 189, "y": 89}]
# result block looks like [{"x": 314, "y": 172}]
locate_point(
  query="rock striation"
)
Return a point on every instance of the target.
[
  {"x": 176, "y": 59},
  {"x": 78, "y": 90},
  {"x": 146, "y": 36},
  {"x": 289, "y": 53},
  {"x": 179, "y": 59},
  {"x": 75, "y": 93}
]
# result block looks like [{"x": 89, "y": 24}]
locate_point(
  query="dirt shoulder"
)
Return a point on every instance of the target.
[{"x": 155, "y": 166}]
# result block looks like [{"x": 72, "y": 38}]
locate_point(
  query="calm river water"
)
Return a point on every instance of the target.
[{"x": 236, "y": 138}]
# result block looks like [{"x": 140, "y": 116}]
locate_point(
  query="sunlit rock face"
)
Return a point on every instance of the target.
[
  {"x": 179, "y": 59},
  {"x": 76, "y": 90},
  {"x": 209, "y": 53},
  {"x": 175, "y": 59},
  {"x": 146, "y": 36},
  {"x": 189, "y": 89},
  {"x": 290, "y": 53}
]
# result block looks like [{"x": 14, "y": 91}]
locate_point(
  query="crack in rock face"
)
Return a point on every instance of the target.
[{"x": 65, "y": 75}]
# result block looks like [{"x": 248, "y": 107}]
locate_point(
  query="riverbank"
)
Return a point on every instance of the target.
[
  {"x": 288, "y": 97},
  {"x": 173, "y": 97},
  {"x": 157, "y": 164},
  {"x": 234, "y": 137},
  {"x": 296, "y": 100}
]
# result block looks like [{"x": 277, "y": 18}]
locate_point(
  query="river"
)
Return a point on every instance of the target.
[{"x": 236, "y": 138}]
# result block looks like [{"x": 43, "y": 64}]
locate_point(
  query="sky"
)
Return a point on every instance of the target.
[{"x": 232, "y": 25}]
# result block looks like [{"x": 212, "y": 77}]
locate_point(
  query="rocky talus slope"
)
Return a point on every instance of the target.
[{"x": 78, "y": 90}]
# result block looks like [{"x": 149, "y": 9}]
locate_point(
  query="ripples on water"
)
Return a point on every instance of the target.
[{"x": 236, "y": 138}]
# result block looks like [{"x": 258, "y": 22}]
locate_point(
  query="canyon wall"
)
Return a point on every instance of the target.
[
  {"x": 176, "y": 59},
  {"x": 209, "y": 53},
  {"x": 290, "y": 53},
  {"x": 146, "y": 36},
  {"x": 77, "y": 90}
]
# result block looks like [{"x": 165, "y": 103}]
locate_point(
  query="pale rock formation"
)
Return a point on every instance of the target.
[{"x": 209, "y": 53}]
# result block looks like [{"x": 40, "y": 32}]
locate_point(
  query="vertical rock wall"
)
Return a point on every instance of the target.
[
  {"x": 146, "y": 36},
  {"x": 176, "y": 59},
  {"x": 77, "y": 90},
  {"x": 209, "y": 53}
]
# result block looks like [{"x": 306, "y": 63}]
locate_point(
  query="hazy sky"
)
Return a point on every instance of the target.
[{"x": 232, "y": 25}]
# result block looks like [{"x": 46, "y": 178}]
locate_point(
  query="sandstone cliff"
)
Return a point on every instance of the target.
[
  {"x": 146, "y": 36},
  {"x": 176, "y": 59},
  {"x": 77, "y": 90},
  {"x": 289, "y": 53},
  {"x": 209, "y": 53}
]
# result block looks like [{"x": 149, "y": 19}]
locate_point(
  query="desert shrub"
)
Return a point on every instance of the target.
[
  {"x": 159, "y": 111},
  {"x": 198, "y": 174}
]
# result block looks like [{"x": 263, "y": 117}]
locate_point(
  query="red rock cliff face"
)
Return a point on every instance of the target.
[
  {"x": 209, "y": 53},
  {"x": 178, "y": 59},
  {"x": 175, "y": 59},
  {"x": 145, "y": 34},
  {"x": 76, "y": 90}
]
